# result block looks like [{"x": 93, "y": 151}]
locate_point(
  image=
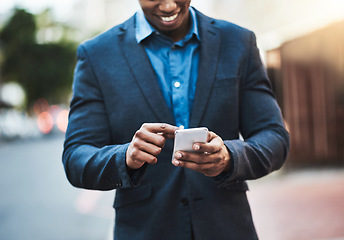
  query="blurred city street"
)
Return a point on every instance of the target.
[
  {"x": 299, "y": 205},
  {"x": 38, "y": 203}
]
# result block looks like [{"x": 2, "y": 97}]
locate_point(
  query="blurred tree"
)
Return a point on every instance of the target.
[
  {"x": 20, "y": 29},
  {"x": 43, "y": 70}
]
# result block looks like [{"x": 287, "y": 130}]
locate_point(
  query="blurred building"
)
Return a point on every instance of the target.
[{"x": 308, "y": 77}]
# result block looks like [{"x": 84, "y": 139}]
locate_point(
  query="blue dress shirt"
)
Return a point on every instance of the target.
[{"x": 175, "y": 65}]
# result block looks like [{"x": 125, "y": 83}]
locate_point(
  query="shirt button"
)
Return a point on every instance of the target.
[
  {"x": 177, "y": 84},
  {"x": 184, "y": 201}
]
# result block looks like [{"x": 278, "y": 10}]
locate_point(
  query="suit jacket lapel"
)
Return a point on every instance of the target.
[
  {"x": 209, "y": 52},
  {"x": 143, "y": 72}
]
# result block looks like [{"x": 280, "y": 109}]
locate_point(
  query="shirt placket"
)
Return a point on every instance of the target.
[{"x": 179, "y": 88}]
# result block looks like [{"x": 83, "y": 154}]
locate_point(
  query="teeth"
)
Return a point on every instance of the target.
[{"x": 169, "y": 19}]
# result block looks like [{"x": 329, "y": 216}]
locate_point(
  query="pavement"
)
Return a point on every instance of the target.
[{"x": 299, "y": 205}]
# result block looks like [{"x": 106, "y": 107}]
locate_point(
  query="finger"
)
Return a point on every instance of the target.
[
  {"x": 156, "y": 133},
  {"x": 137, "y": 155},
  {"x": 142, "y": 135},
  {"x": 159, "y": 128},
  {"x": 134, "y": 164},
  {"x": 146, "y": 147},
  {"x": 211, "y": 136},
  {"x": 199, "y": 158},
  {"x": 214, "y": 145},
  {"x": 169, "y": 135},
  {"x": 205, "y": 168}
]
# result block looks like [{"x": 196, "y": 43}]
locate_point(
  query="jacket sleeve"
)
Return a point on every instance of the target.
[
  {"x": 90, "y": 159},
  {"x": 266, "y": 141}
]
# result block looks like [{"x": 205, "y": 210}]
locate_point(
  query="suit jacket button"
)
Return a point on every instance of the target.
[{"x": 184, "y": 201}]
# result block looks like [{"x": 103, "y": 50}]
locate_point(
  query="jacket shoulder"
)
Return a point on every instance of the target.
[{"x": 225, "y": 27}]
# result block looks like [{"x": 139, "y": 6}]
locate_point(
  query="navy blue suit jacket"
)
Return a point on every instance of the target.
[{"x": 116, "y": 91}]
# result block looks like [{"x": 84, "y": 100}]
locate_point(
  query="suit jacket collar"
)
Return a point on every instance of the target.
[{"x": 143, "y": 72}]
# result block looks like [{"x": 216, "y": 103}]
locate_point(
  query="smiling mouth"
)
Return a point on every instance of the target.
[{"x": 169, "y": 19}]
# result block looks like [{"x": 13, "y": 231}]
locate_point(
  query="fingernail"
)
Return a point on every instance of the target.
[
  {"x": 178, "y": 155},
  {"x": 196, "y": 147},
  {"x": 175, "y": 162}
]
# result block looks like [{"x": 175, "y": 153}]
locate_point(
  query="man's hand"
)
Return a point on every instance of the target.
[
  {"x": 147, "y": 144},
  {"x": 211, "y": 158}
]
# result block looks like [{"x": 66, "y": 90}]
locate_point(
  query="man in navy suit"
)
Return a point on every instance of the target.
[{"x": 170, "y": 67}]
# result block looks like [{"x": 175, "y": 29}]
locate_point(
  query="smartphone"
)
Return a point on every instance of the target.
[{"x": 185, "y": 138}]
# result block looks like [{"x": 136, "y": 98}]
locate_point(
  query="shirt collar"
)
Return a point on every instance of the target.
[{"x": 144, "y": 29}]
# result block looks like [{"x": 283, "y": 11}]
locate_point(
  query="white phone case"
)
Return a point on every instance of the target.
[{"x": 185, "y": 138}]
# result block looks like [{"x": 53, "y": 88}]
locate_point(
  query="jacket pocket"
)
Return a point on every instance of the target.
[{"x": 132, "y": 195}]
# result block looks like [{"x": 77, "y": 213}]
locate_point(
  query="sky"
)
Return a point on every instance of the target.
[{"x": 60, "y": 8}]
